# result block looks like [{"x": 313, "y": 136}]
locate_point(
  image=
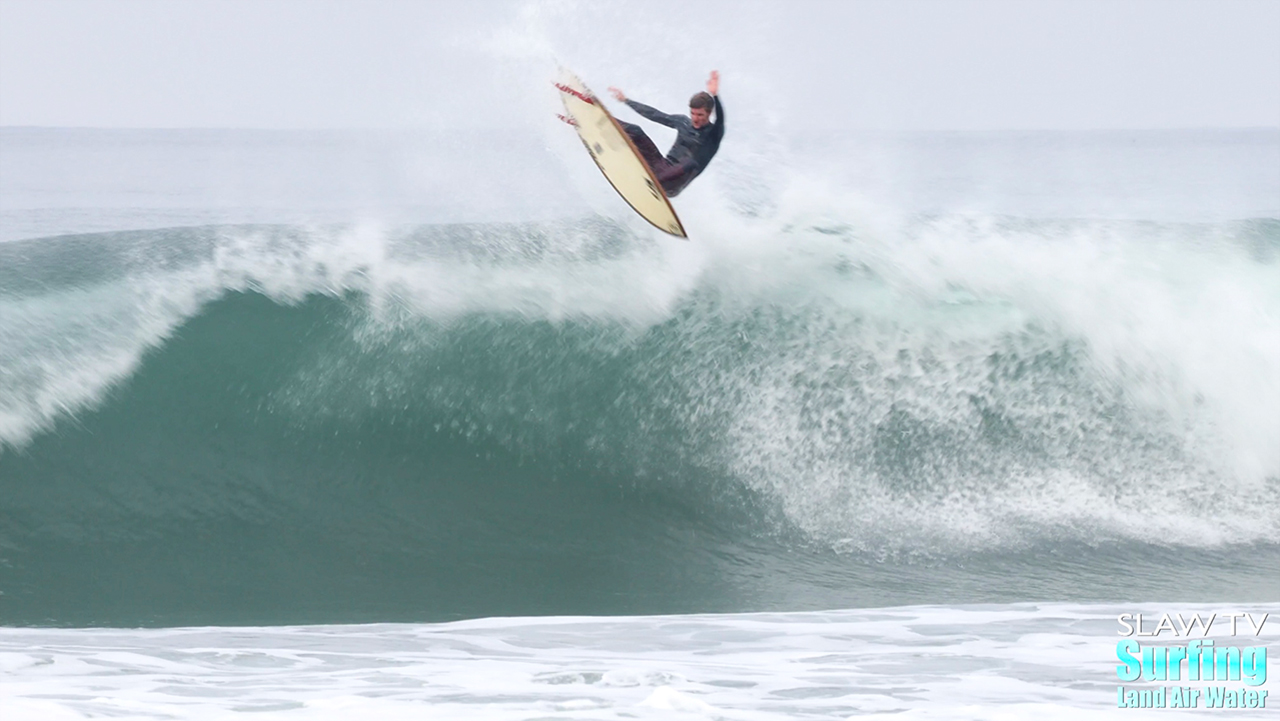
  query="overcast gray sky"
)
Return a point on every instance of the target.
[{"x": 861, "y": 64}]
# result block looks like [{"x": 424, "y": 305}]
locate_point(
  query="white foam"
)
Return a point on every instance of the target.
[
  {"x": 1050, "y": 660},
  {"x": 1163, "y": 432}
]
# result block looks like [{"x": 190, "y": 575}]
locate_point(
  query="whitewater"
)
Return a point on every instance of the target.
[{"x": 321, "y": 424}]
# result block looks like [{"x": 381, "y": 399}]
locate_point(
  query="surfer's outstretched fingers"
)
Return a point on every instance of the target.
[{"x": 618, "y": 94}]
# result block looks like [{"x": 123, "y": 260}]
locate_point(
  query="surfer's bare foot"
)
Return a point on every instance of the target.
[{"x": 618, "y": 94}]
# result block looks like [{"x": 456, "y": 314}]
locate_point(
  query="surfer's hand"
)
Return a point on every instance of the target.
[
  {"x": 618, "y": 94},
  {"x": 713, "y": 85}
]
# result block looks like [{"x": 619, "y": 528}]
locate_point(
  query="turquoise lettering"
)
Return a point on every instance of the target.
[
  {"x": 1176, "y": 655},
  {"x": 1132, "y": 668},
  {"x": 1253, "y": 665}
]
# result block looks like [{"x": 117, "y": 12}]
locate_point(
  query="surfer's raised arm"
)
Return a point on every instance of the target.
[
  {"x": 717, "y": 128},
  {"x": 657, "y": 116},
  {"x": 713, "y": 87},
  {"x": 647, "y": 112}
]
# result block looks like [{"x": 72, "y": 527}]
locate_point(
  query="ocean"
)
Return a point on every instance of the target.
[{"x": 403, "y": 424}]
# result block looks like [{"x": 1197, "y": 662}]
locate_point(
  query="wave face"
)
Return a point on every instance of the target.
[{"x": 281, "y": 423}]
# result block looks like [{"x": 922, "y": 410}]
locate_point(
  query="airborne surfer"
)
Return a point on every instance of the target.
[{"x": 697, "y": 138}]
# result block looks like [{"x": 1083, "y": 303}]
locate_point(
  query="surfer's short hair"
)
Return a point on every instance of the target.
[{"x": 702, "y": 101}]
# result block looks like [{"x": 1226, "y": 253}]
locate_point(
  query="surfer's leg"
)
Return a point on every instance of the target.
[
  {"x": 644, "y": 144},
  {"x": 673, "y": 178}
]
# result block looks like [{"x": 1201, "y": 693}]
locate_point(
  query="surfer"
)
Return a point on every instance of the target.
[{"x": 697, "y": 138}]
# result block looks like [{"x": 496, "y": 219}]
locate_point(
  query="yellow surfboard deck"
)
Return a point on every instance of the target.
[{"x": 617, "y": 156}]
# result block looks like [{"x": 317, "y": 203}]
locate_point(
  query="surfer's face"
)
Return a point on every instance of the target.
[{"x": 699, "y": 116}]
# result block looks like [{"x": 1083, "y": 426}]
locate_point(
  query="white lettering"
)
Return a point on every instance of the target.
[
  {"x": 1233, "y": 617},
  {"x": 1124, "y": 619},
  {"x": 1187, "y": 626},
  {"x": 1257, "y": 627},
  {"x": 1165, "y": 623}
]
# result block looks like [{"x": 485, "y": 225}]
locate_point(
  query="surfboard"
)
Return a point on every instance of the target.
[{"x": 617, "y": 156}]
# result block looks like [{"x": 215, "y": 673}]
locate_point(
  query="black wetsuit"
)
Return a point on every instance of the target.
[{"x": 693, "y": 149}]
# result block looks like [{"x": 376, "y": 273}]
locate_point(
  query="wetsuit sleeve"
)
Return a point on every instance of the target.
[
  {"x": 657, "y": 116},
  {"x": 718, "y": 125}
]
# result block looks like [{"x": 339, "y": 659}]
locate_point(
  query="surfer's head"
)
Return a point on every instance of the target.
[{"x": 700, "y": 106}]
